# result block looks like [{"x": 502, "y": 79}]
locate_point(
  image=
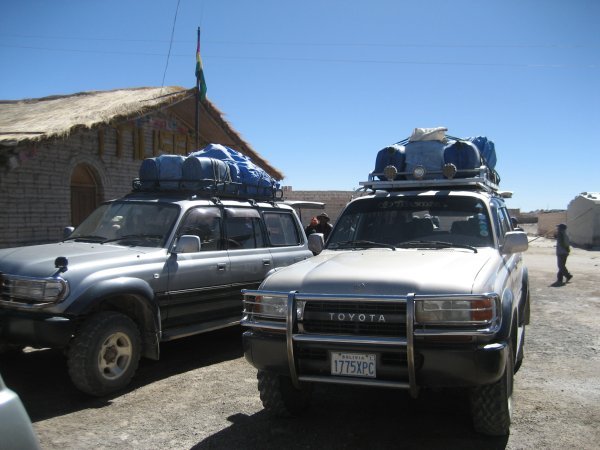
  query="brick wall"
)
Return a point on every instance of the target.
[
  {"x": 334, "y": 201},
  {"x": 35, "y": 190},
  {"x": 547, "y": 222}
]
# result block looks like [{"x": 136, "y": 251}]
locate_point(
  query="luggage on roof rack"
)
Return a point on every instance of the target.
[
  {"x": 430, "y": 158},
  {"x": 215, "y": 170}
]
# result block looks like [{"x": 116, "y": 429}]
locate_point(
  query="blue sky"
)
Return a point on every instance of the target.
[{"x": 318, "y": 87}]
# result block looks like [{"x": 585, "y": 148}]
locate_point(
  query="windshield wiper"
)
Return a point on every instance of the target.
[
  {"x": 90, "y": 238},
  {"x": 434, "y": 244},
  {"x": 361, "y": 244},
  {"x": 134, "y": 236}
]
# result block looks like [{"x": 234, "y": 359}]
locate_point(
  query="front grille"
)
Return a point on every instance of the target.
[{"x": 387, "y": 319}]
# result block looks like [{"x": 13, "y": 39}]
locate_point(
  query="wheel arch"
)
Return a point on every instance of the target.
[{"x": 132, "y": 297}]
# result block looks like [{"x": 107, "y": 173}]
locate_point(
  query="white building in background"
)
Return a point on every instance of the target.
[{"x": 583, "y": 219}]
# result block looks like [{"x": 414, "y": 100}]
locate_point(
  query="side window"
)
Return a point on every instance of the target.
[
  {"x": 206, "y": 224},
  {"x": 504, "y": 225},
  {"x": 281, "y": 229},
  {"x": 243, "y": 229}
]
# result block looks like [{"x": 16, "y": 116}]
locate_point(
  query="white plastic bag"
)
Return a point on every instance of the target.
[{"x": 429, "y": 134}]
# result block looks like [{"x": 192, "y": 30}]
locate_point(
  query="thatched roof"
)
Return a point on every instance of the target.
[{"x": 40, "y": 119}]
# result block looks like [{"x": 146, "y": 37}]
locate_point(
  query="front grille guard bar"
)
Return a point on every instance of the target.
[{"x": 291, "y": 337}]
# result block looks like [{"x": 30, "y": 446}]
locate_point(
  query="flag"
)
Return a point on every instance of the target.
[{"x": 200, "y": 81}]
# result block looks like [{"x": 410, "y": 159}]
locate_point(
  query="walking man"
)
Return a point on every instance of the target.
[{"x": 563, "y": 247}]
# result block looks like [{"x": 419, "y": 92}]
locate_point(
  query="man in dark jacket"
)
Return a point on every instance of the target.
[
  {"x": 324, "y": 226},
  {"x": 563, "y": 248}
]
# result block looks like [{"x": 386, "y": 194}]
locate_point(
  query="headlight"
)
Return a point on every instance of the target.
[
  {"x": 34, "y": 290},
  {"x": 461, "y": 311},
  {"x": 269, "y": 307}
]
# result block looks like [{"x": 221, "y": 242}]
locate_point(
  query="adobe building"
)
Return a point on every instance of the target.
[
  {"x": 61, "y": 156},
  {"x": 583, "y": 220},
  {"x": 547, "y": 221}
]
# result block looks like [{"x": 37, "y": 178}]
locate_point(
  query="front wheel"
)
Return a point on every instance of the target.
[
  {"x": 491, "y": 405},
  {"x": 280, "y": 397},
  {"x": 104, "y": 355}
]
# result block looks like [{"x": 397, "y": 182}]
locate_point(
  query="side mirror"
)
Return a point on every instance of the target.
[
  {"x": 187, "y": 244},
  {"x": 67, "y": 232},
  {"x": 515, "y": 242},
  {"x": 316, "y": 243}
]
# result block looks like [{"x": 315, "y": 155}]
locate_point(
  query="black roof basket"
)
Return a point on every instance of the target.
[{"x": 209, "y": 188}]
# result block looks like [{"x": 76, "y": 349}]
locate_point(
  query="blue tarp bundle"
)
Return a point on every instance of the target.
[
  {"x": 215, "y": 168},
  {"x": 251, "y": 179}
]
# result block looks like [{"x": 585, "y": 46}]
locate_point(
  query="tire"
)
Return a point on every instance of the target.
[
  {"x": 280, "y": 397},
  {"x": 104, "y": 355},
  {"x": 491, "y": 405}
]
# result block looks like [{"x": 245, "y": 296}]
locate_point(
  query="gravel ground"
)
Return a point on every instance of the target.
[{"x": 202, "y": 394}]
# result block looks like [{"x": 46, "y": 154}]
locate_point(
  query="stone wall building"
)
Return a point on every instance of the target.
[
  {"x": 334, "y": 201},
  {"x": 583, "y": 220},
  {"x": 61, "y": 156}
]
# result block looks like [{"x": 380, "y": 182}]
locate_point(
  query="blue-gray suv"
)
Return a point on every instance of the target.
[{"x": 140, "y": 270}]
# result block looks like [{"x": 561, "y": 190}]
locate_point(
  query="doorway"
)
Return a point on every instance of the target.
[{"x": 85, "y": 193}]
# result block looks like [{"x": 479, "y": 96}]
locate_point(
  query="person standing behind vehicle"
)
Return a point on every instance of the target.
[
  {"x": 563, "y": 248},
  {"x": 324, "y": 226},
  {"x": 312, "y": 227}
]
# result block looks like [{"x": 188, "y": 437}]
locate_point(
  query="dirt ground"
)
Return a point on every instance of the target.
[{"x": 202, "y": 394}]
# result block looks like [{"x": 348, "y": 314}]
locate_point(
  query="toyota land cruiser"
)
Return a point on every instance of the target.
[
  {"x": 147, "y": 268},
  {"x": 421, "y": 284}
]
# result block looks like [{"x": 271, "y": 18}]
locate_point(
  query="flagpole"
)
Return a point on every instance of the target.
[{"x": 197, "y": 121}]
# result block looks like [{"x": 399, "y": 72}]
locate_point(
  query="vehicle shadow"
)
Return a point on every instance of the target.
[
  {"x": 41, "y": 378},
  {"x": 343, "y": 417}
]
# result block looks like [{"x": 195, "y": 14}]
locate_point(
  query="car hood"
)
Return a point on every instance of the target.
[
  {"x": 385, "y": 272},
  {"x": 38, "y": 260}
]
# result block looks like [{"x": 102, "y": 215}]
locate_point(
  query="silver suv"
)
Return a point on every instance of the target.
[
  {"x": 140, "y": 270},
  {"x": 15, "y": 426},
  {"x": 420, "y": 285}
]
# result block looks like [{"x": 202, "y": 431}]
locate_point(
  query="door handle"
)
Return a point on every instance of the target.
[
  {"x": 221, "y": 266},
  {"x": 266, "y": 262}
]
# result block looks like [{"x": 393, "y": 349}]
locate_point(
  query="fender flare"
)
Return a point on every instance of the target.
[
  {"x": 510, "y": 315},
  {"x": 524, "y": 304},
  {"x": 141, "y": 306}
]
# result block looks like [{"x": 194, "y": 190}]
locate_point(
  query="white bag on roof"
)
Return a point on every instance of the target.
[{"x": 428, "y": 134}]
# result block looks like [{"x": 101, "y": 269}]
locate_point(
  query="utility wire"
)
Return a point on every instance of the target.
[
  {"x": 326, "y": 60},
  {"x": 170, "y": 45},
  {"x": 312, "y": 44}
]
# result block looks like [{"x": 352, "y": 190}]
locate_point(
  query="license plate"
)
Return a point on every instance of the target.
[{"x": 353, "y": 364}]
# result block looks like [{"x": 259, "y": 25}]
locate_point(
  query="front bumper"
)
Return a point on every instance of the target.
[
  {"x": 436, "y": 365},
  {"x": 35, "y": 329},
  {"x": 406, "y": 355}
]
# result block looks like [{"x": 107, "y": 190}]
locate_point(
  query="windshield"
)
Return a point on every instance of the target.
[
  {"x": 439, "y": 221},
  {"x": 128, "y": 223}
]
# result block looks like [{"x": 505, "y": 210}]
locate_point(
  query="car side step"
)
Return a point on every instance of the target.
[{"x": 205, "y": 327}]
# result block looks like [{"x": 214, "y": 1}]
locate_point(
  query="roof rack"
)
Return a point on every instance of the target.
[
  {"x": 477, "y": 179},
  {"x": 208, "y": 188}
]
